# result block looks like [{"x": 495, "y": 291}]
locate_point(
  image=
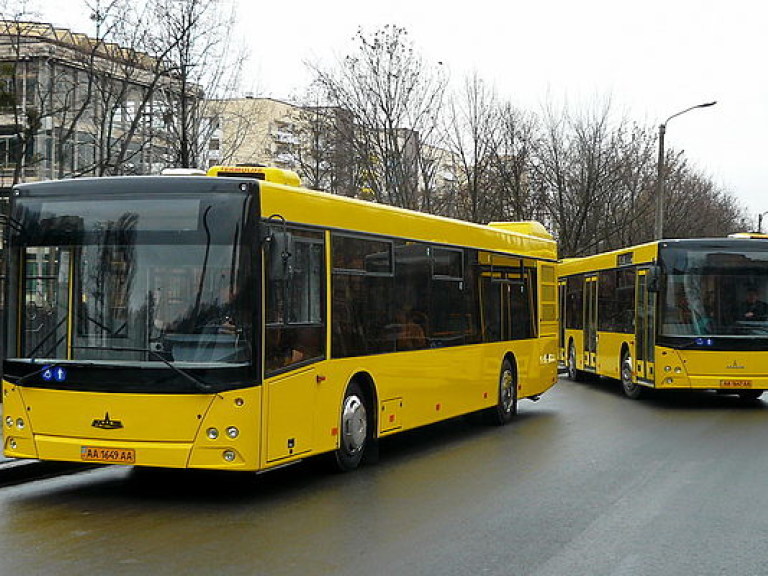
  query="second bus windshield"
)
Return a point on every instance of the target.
[{"x": 715, "y": 292}]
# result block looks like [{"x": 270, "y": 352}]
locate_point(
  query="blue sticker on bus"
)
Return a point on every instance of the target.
[{"x": 58, "y": 373}]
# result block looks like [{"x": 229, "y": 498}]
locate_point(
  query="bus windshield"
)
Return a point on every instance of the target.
[
  {"x": 136, "y": 280},
  {"x": 715, "y": 292}
]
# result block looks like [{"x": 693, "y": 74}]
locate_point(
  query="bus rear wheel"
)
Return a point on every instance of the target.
[
  {"x": 630, "y": 387},
  {"x": 506, "y": 405},
  {"x": 353, "y": 430}
]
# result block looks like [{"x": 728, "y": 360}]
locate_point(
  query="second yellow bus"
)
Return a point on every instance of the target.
[{"x": 672, "y": 314}]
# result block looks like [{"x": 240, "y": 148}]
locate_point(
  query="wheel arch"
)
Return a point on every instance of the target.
[
  {"x": 510, "y": 357},
  {"x": 368, "y": 388},
  {"x": 625, "y": 351}
]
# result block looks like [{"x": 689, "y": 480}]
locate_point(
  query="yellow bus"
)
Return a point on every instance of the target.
[
  {"x": 240, "y": 323},
  {"x": 672, "y": 314}
]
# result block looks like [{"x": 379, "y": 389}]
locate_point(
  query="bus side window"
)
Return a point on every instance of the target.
[{"x": 295, "y": 303}]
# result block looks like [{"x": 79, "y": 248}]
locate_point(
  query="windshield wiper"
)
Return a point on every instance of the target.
[
  {"x": 44, "y": 339},
  {"x": 197, "y": 382}
]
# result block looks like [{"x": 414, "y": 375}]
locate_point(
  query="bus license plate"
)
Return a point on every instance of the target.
[
  {"x": 736, "y": 383},
  {"x": 107, "y": 455}
]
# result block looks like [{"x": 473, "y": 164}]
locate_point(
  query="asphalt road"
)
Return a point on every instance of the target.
[{"x": 583, "y": 482}]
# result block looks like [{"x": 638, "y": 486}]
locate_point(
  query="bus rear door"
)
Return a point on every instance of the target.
[{"x": 590, "y": 323}]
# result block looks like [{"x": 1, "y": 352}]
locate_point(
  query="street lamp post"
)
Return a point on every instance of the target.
[
  {"x": 659, "y": 232},
  {"x": 760, "y": 222}
]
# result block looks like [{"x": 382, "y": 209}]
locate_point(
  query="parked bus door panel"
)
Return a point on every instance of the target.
[
  {"x": 644, "y": 328},
  {"x": 290, "y": 410},
  {"x": 590, "y": 323}
]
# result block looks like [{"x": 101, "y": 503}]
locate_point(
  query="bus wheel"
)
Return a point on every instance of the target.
[
  {"x": 506, "y": 407},
  {"x": 573, "y": 373},
  {"x": 750, "y": 394},
  {"x": 631, "y": 388},
  {"x": 353, "y": 429}
]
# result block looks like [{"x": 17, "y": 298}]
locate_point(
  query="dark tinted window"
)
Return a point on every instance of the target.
[
  {"x": 453, "y": 317},
  {"x": 362, "y": 255},
  {"x": 574, "y": 300},
  {"x": 295, "y": 295},
  {"x": 429, "y": 299},
  {"x": 508, "y": 290},
  {"x": 616, "y": 300}
]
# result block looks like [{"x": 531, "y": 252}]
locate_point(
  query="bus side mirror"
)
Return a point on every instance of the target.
[
  {"x": 654, "y": 279},
  {"x": 279, "y": 249}
]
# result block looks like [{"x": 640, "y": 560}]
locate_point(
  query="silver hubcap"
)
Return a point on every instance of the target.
[
  {"x": 507, "y": 391},
  {"x": 626, "y": 374},
  {"x": 354, "y": 424}
]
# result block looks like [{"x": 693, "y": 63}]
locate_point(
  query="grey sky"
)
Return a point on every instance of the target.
[{"x": 652, "y": 59}]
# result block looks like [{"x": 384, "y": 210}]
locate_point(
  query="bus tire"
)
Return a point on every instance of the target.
[
  {"x": 750, "y": 395},
  {"x": 353, "y": 429},
  {"x": 574, "y": 373},
  {"x": 506, "y": 404},
  {"x": 631, "y": 388}
]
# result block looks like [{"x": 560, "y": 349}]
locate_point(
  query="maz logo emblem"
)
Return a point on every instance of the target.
[
  {"x": 735, "y": 366},
  {"x": 107, "y": 423}
]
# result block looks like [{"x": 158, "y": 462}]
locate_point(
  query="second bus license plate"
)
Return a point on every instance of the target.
[
  {"x": 736, "y": 383},
  {"x": 108, "y": 455}
]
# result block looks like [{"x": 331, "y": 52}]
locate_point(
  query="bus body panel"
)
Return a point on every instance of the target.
[
  {"x": 347, "y": 214},
  {"x": 300, "y": 414},
  {"x": 415, "y": 388},
  {"x": 130, "y": 417},
  {"x": 610, "y": 345},
  {"x": 712, "y": 369},
  {"x": 163, "y": 430}
]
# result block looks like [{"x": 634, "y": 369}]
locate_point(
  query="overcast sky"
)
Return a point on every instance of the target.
[{"x": 651, "y": 58}]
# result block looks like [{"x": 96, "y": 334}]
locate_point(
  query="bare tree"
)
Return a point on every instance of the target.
[
  {"x": 517, "y": 137},
  {"x": 393, "y": 99},
  {"x": 592, "y": 173},
  {"x": 472, "y": 131},
  {"x": 195, "y": 39},
  {"x": 696, "y": 207}
]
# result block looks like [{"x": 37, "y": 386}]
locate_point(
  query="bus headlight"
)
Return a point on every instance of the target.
[
  {"x": 667, "y": 368},
  {"x": 233, "y": 432},
  {"x": 9, "y": 421},
  {"x": 678, "y": 370},
  {"x": 229, "y": 455},
  {"x": 12, "y": 444},
  {"x": 20, "y": 424},
  {"x": 212, "y": 433}
]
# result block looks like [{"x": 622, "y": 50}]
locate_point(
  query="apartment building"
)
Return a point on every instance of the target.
[
  {"x": 72, "y": 105},
  {"x": 318, "y": 143}
]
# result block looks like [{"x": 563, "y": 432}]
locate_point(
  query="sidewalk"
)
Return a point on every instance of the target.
[{"x": 17, "y": 470}]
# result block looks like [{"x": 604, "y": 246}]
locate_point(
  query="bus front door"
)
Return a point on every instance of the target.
[
  {"x": 645, "y": 316},
  {"x": 590, "y": 323},
  {"x": 290, "y": 407}
]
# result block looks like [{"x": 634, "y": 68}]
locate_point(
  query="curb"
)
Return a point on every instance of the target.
[{"x": 23, "y": 470}]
